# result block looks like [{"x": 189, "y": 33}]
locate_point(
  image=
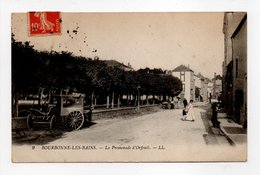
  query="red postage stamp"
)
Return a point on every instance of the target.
[{"x": 44, "y": 23}]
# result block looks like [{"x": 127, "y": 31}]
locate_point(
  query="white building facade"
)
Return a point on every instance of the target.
[
  {"x": 198, "y": 85},
  {"x": 186, "y": 75}
]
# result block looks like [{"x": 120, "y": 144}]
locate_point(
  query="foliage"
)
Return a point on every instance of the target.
[{"x": 54, "y": 71}]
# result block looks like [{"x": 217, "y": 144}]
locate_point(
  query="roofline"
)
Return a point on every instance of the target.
[{"x": 184, "y": 71}]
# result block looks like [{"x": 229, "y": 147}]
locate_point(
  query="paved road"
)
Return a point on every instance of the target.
[{"x": 179, "y": 140}]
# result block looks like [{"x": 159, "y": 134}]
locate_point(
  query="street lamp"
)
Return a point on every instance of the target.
[{"x": 138, "y": 97}]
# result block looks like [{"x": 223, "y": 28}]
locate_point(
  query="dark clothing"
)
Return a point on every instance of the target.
[
  {"x": 184, "y": 112},
  {"x": 214, "y": 117},
  {"x": 185, "y": 103}
]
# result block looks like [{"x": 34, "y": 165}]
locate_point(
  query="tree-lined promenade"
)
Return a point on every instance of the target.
[{"x": 36, "y": 71}]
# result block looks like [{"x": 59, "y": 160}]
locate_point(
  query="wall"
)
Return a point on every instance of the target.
[
  {"x": 239, "y": 41},
  {"x": 235, "y": 66},
  {"x": 204, "y": 90},
  {"x": 124, "y": 112},
  {"x": 210, "y": 89},
  {"x": 231, "y": 22},
  {"x": 197, "y": 81},
  {"x": 218, "y": 88},
  {"x": 192, "y": 86}
]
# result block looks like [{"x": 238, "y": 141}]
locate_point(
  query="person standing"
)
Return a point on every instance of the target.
[
  {"x": 214, "y": 115},
  {"x": 190, "y": 112}
]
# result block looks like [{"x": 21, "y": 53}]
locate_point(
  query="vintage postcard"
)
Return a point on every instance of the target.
[{"x": 129, "y": 87}]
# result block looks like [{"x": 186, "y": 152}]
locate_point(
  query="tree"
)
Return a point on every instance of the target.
[
  {"x": 156, "y": 82},
  {"x": 55, "y": 71}
]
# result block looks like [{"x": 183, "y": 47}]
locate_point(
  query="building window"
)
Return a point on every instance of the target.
[
  {"x": 236, "y": 67},
  {"x": 182, "y": 76},
  {"x": 183, "y": 87}
]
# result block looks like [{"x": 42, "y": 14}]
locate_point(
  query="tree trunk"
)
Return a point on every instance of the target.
[
  {"x": 112, "y": 100},
  {"x": 127, "y": 99},
  {"x": 108, "y": 101},
  {"x": 40, "y": 95},
  {"x": 92, "y": 98},
  {"x": 118, "y": 101},
  {"x": 95, "y": 101},
  {"x": 15, "y": 108},
  {"x": 135, "y": 99},
  {"x": 147, "y": 100}
]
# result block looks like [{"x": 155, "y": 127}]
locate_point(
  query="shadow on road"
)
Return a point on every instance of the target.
[
  {"x": 37, "y": 137},
  {"x": 41, "y": 135},
  {"x": 209, "y": 138},
  {"x": 214, "y": 136}
]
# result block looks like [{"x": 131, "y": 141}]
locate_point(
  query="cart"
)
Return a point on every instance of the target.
[{"x": 67, "y": 109}]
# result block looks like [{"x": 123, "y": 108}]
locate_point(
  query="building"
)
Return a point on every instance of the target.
[
  {"x": 210, "y": 89},
  {"x": 201, "y": 87},
  {"x": 198, "y": 84},
  {"x": 114, "y": 63},
  {"x": 217, "y": 86},
  {"x": 235, "y": 66},
  {"x": 186, "y": 75}
]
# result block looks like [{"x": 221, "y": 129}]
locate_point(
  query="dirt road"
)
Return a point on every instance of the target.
[{"x": 161, "y": 136}]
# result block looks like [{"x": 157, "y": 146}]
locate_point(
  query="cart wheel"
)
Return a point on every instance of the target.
[
  {"x": 30, "y": 121},
  {"x": 74, "y": 120},
  {"x": 53, "y": 121}
]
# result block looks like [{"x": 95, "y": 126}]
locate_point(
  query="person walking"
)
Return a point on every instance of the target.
[
  {"x": 184, "y": 111},
  {"x": 190, "y": 112}
]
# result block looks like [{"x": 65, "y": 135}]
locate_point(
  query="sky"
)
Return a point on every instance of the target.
[{"x": 154, "y": 40}]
